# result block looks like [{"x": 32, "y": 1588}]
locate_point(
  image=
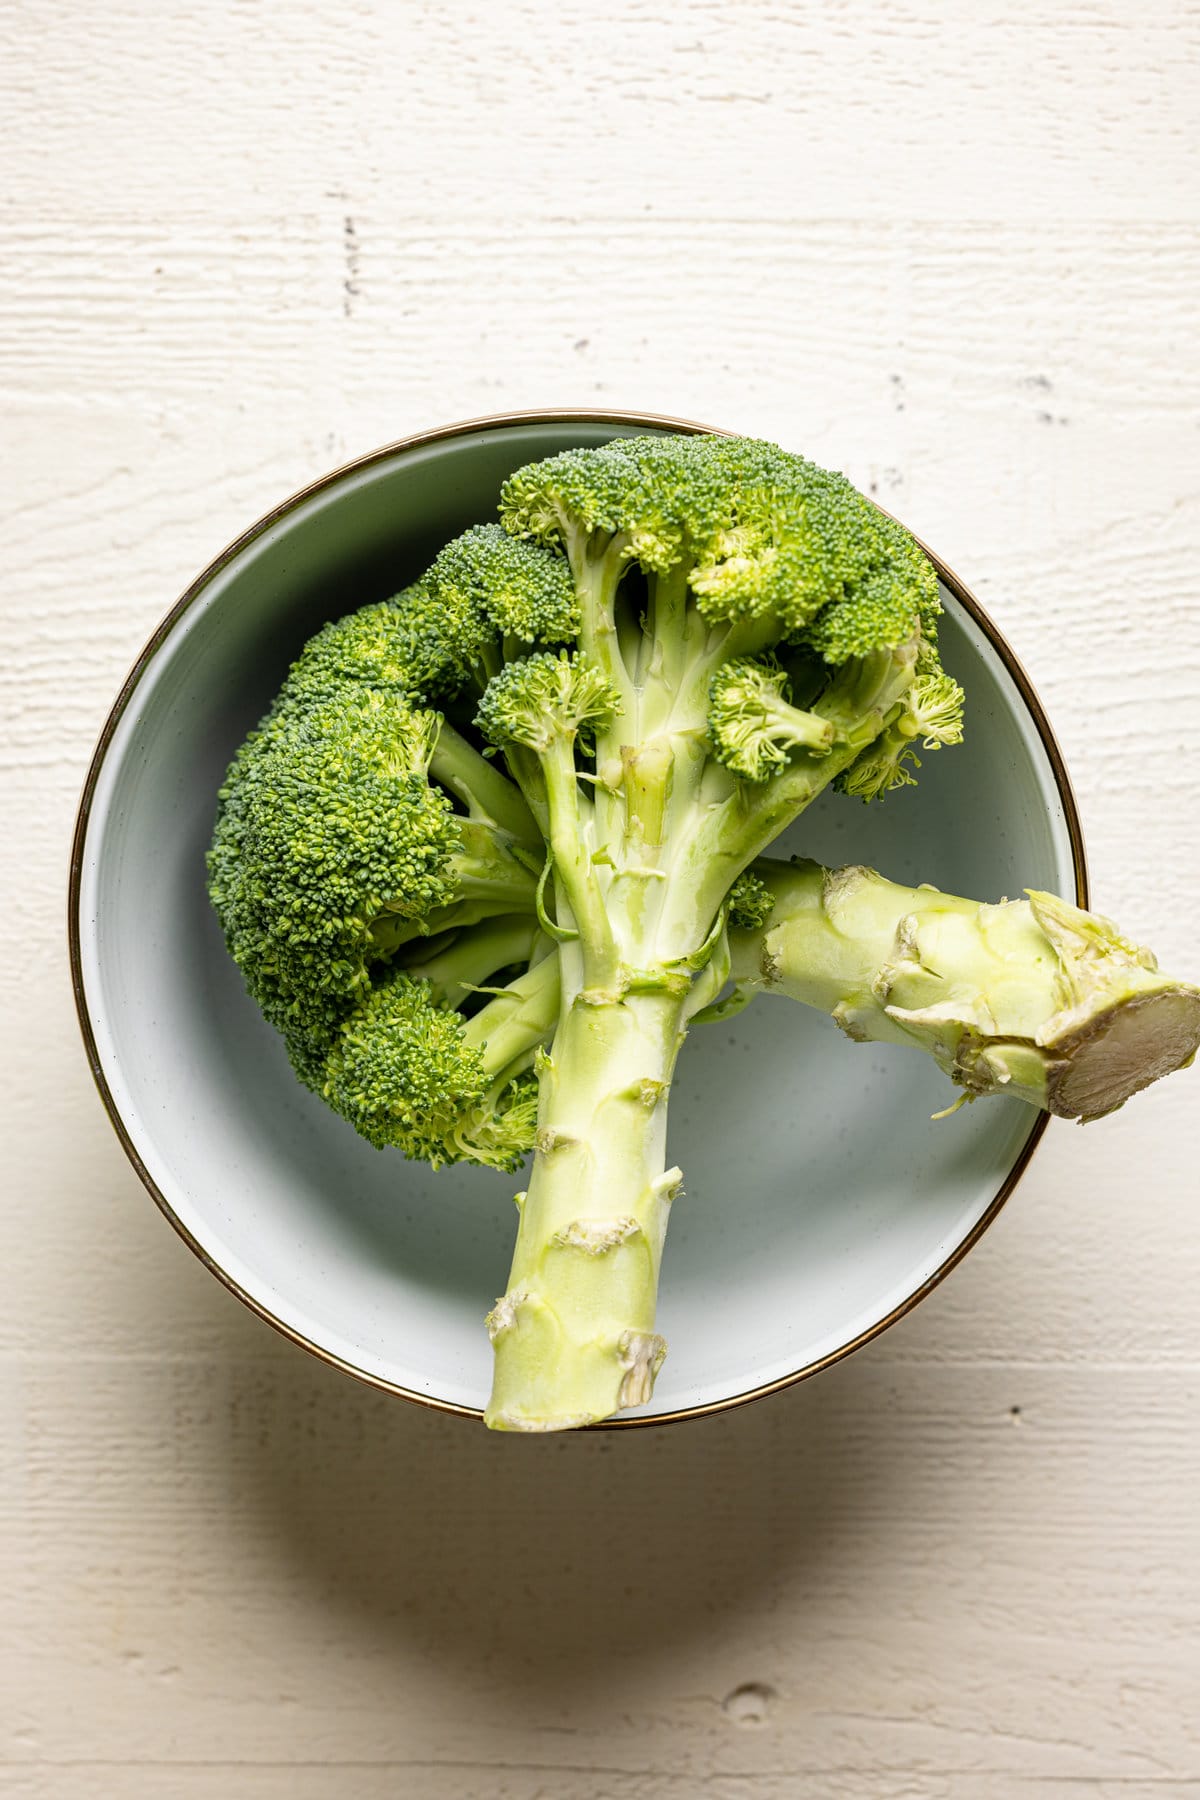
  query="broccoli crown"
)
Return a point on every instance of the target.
[
  {"x": 394, "y": 644},
  {"x": 543, "y": 697},
  {"x": 763, "y": 534},
  {"x": 402, "y": 1073},
  {"x": 327, "y": 822},
  {"x": 335, "y": 845},
  {"x": 356, "y": 819},
  {"x": 485, "y": 595},
  {"x": 488, "y": 584}
]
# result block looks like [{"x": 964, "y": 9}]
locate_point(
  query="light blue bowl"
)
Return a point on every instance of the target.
[{"x": 821, "y": 1202}]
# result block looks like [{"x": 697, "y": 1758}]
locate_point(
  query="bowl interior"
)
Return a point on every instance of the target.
[{"x": 819, "y": 1196}]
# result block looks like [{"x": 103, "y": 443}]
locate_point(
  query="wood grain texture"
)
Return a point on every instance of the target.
[{"x": 952, "y": 251}]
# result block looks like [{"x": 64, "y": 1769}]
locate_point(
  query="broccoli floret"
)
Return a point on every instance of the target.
[
  {"x": 333, "y": 849},
  {"x": 405, "y": 1072},
  {"x": 751, "y": 902},
  {"x": 752, "y": 724},
  {"x": 401, "y": 1072},
  {"x": 385, "y": 646},
  {"x": 545, "y": 698},
  {"x": 931, "y": 715},
  {"x": 493, "y": 588}
]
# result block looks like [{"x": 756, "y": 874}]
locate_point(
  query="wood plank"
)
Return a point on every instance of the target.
[
  {"x": 691, "y": 1598},
  {"x": 953, "y": 251}
]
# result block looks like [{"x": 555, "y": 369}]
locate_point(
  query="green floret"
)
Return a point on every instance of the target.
[
  {"x": 409, "y": 1071},
  {"x": 449, "y": 632},
  {"x": 488, "y": 595},
  {"x": 931, "y": 716},
  {"x": 391, "y": 644},
  {"x": 326, "y": 819},
  {"x": 753, "y": 725},
  {"x": 400, "y": 1071},
  {"x": 751, "y": 902},
  {"x": 515, "y": 590},
  {"x": 761, "y": 533},
  {"x": 803, "y": 544},
  {"x": 544, "y": 697},
  {"x": 332, "y": 848},
  {"x": 403, "y": 1072}
]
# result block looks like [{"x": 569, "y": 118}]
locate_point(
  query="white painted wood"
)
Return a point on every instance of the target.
[{"x": 952, "y": 250}]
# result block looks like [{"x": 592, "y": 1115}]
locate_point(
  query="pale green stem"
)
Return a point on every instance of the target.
[
  {"x": 511, "y": 1026},
  {"x": 1032, "y": 998},
  {"x": 574, "y": 1333},
  {"x": 470, "y": 958},
  {"x": 574, "y": 870},
  {"x": 793, "y": 727},
  {"x": 734, "y": 831},
  {"x": 478, "y": 783},
  {"x": 664, "y": 650},
  {"x": 486, "y": 868},
  {"x": 391, "y": 931},
  {"x": 526, "y": 773},
  {"x": 860, "y": 702},
  {"x": 597, "y": 566},
  {"x": 709, "y": 647}
]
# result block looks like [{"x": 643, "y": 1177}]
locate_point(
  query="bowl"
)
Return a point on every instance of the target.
[{"x": 806, "y": 1232}]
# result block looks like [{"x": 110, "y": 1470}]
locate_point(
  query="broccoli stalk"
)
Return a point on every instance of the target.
[{"x": 1033, "y": 998}]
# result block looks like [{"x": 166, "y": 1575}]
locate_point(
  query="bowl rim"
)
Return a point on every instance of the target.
[{"x": 160, "y": 635}]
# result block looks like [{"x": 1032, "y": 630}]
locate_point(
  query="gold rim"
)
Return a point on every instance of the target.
[{"x": 497, "y": 422}]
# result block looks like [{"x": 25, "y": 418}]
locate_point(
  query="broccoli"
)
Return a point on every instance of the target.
[
  {"x": 1033, "y": 998},
  {"x": 498, "y": 843}
]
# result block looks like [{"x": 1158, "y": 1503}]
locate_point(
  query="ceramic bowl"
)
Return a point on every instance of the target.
[{"x": 821, "y": 1202}]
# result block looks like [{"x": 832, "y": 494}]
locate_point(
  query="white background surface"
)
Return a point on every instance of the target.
[{"x": 952, "y": 250}]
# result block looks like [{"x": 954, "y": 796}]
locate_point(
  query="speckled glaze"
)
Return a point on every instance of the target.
[{"x": 821, "y": 1201}]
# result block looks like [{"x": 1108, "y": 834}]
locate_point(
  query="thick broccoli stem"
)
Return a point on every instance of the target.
[
  {"x": 1031, "y": 998},
  {"x": 574, "y": 1334}
]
